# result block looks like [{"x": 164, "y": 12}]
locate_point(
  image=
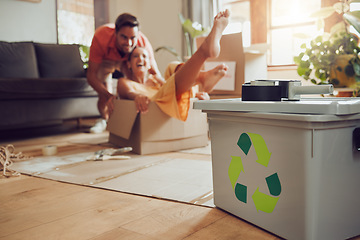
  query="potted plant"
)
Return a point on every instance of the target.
[
  {"x": 333, "y": 57},
  {"x": 84, "y": 54},
  {"x": 191, "y": 31}
]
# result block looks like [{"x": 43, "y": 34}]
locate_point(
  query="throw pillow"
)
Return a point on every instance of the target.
[
  {"x": 59, "y": 60},
  {"x": 18, "y": 60}
]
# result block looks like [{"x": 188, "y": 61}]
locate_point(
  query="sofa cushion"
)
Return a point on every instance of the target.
[
  {"x": 44, "y": 88},
  {"x": 59, "y": 60},
  {"x": 18, "y": 59}
]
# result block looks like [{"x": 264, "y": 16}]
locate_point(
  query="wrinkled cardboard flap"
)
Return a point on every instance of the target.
[
  {"x": 125, "y": 119},
  {"x": 157, "y": 126},
  {"x": 153, "y": 124}
]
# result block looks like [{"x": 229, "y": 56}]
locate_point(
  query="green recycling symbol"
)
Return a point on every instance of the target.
[{"x": 262, "y": 201}]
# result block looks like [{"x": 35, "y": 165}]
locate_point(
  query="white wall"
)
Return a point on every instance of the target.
[
  {"x": 284, "y": 74},
  {"x": 26, "y": 21},
  {"x": 116, "y": 7},
  {"x": 159, "y": 21}
]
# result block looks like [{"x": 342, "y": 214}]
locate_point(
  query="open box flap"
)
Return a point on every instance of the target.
[
  {"x": 168, "y": 128},
  {"x": 123, "y": 118},
  {"x": 231, "y": 51}
]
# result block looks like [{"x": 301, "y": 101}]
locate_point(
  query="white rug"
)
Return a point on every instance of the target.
[{"x": 180, "y": 179}]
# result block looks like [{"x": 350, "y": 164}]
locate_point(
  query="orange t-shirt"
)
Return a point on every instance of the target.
[{"x": 103, "y": 45}]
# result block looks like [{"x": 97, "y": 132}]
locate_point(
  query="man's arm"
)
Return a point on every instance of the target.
[
  {"x": 106, "y": 98},
  {"x": 95, "y": 82}
]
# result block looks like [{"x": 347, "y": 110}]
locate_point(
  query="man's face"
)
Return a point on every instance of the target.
[{"x": 126, "y": 39}]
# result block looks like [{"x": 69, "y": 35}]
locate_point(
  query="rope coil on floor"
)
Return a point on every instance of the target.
[{"x": 7, "y": 156}]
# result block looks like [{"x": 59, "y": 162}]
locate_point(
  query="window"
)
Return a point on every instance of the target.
[
  {"x": 75, "y": 21},
  {"x": 289, "y": 19},
  {"x": 284, "y": 21},
  {"x": 354, "y": 6},
  {"x": 239, "y": 18}
]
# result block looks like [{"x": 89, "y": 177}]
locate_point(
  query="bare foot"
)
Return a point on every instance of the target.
[
  {"x": 210, "y": 78},
  {"x": 187, "y": 75},
  {"x": 211, "y": 45},
  {"x": 202, "y": 96}
]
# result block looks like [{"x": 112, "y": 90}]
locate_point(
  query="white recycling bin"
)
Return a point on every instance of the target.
[{"x": 290, "y": 167}]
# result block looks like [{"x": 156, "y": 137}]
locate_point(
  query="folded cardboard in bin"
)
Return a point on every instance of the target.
[{"x": 154, "y": 131}]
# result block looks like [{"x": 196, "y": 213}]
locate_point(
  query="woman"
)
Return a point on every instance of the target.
[{"x": 173, "y": 97}]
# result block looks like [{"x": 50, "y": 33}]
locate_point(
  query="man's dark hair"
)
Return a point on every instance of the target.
[{"x": 124, "y": 20}]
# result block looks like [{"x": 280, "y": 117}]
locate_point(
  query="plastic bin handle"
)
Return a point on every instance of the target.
[
  {"x": 356, "y": 139},
  {"x": 296, "y": 91}
]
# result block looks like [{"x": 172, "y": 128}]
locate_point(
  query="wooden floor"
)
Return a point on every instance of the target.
[{"x": 35, "y": 208}]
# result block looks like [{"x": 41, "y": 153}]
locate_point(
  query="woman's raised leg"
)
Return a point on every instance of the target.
[{"x": 187, "y": 75}]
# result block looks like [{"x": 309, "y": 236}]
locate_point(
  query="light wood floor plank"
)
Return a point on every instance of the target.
[
  {"x": 122, "y": 234},
  {"x": 92, "y": 212},
  {"x": 175, "y": 222},
  {"x": 231, "y": 227}
]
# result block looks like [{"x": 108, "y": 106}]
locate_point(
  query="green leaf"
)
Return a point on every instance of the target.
[
  {"x": 84, "y": 54},
  {"x": 301, "y": 71},
  {"x": 189, "y": 27},
  {"x": 353, "y": 18},
  {"x": 357, "y": 78},
  {"x": 323, "y": 77},
  {"x": 297, "y": 59},
  {"x": 318, "y": 39},
  {"x": 356, "y": 68},
  {"x": 341, "y": 7},
  {"x": 338, "y": 27},
  {"x": 323, "y": 12},
  {"x": 304, "y": 64},
  {"x": 182, "y": 19}
]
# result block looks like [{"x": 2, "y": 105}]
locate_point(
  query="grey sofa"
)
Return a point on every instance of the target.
[{"x": 42, "y": 84}]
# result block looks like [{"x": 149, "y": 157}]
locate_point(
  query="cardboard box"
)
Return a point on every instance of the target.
[{"x": 155, "y": 131}]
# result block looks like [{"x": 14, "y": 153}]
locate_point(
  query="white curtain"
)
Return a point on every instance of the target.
[{"x": 201, "y": 11}]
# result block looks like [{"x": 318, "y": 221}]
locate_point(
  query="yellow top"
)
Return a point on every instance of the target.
[{"x": 165, "y": 96}]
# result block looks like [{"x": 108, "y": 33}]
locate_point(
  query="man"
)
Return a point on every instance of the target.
[{"x": 109, "y": 50}]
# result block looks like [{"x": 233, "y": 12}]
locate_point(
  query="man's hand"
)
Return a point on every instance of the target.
[
  {"x": 110, "y": 104},
  {"x": 142, "y": 103},
  {"x": 106, "y": 105}
]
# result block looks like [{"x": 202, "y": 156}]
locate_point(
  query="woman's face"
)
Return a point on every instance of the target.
[{"x": 139, "y": 60}]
